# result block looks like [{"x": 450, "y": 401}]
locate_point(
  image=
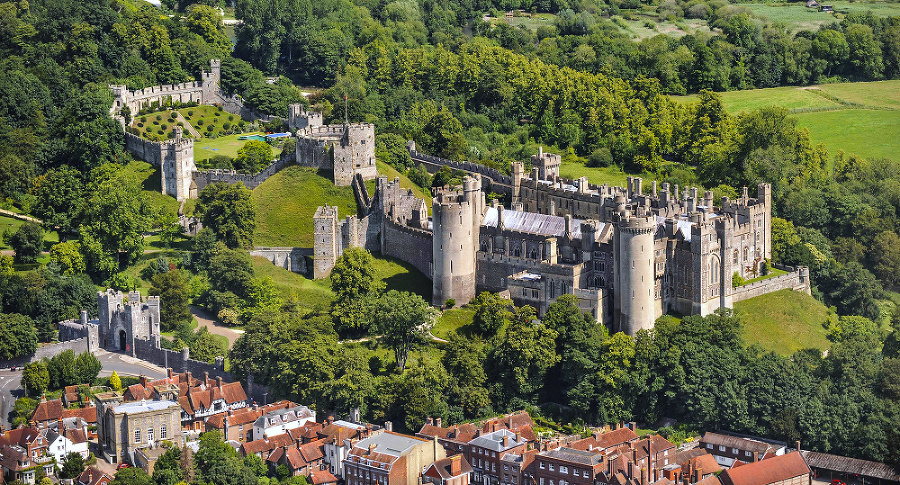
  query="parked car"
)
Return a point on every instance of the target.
[{"x": 123, "y": 465}]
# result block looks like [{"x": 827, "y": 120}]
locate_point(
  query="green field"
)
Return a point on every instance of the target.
[
  {"x": 796, "y": 16},
  {"x": 227, "y": 145},
  {"x": 149, "y": 178},
  {"x": 286, "y": 202},
  {"x": 859, "y": 118},
  {"x": 206, "y": 120},
  {"x": 784, "y": 321},
  {"x": 453, "y": 321},
  {"x": 596, "y": 175}
]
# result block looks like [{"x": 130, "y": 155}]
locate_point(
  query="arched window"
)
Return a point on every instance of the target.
[
  {"x": 484, "y": 246},
  {"x": 599, "y": 282},
  {"x": 532, "y": 254},
  {"x": 746, "y": 252},
  {"x": 735, "y": 256},
  {"x": 517, "y": 252},
  {"x": 714, "y": 270}
]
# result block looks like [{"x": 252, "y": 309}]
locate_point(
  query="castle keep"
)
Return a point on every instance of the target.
[
  {"x": 629, "y": 256},
  {"x": 347, "y": 149}
]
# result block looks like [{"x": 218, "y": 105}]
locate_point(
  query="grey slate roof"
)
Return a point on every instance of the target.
[
  {"x": 534, "y": 223},
  {"x": 581, "y": 457},
  {"x": 494, "y": 441},
  {"x": 390, "y": 443}
]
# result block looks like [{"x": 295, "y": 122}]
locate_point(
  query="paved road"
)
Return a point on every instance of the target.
[{"x": 11, "y": 387}]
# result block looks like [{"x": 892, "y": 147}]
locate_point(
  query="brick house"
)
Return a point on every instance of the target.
[
  {"x": 726, "y": 448},
  {"x": 237, "y": 424},
  {"x": 453, "y": 470},
  {"x": 606, "y": 442},
  {"x": 788, "y": 469},
  {"x": 566, "y": 466},
  {"x": 390, "y": 458},
  {"x": 486, "y": 454},
  {"x": 23, "y": 451}
]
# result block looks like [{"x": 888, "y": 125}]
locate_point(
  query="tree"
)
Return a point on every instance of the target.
[
  {"x": 864, "y": 51},
  {"x": 401, "y": 318},
  {"x": 59, "y": 198},
  {"x": 784, "y": 240},
  {"x": 167, "y": 469},
  {"x": 173, "y": 293},
  {"x": 205, "y": 347},
  {"x": 62, "y": 369},
  {"x": 228, "y": 211},
  {"x": 18, "y": 336},
  {"x": 27, "y": 241},
  {"x": 67, "y": 256},
  {"x": 231, "y": 271},
  {"x": 15, "y": 176},
  {"x": 217, "y": 463},
  {"x": 521, "y": 357},
  {"x": 490, "y": 313},
  {"x": 886, "y": 255},
  {"x": 352, "y": 279},
  {"x": 116, "y": 216},
  {"x": 132, "y": 476},
  {"x": 115, "y": 381},
  {"x": 87, "y": 367},
  {"x": 73, "y": 465},
  {"x": 442, "y": 136},
  {"x": 254, "y": 156},
  {"x": 35, "y": 378}
]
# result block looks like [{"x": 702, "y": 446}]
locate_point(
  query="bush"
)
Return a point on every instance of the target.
[
  {"x": 450, "y": 303},
  {"x": 737, "y": 280},
  {"x": 219, "y": 113},
  {"x": 600, "y": 157},
  {"x": 160, "y": 132},
  {"x": 199, "y": 122},
  {"x": 140, "y": 125},
  {"x": 164, "y": 126},
  {"x": 158, "y": 117},
  {"x": 190, "y": 113},
  {"x": 143, "y": 119},
  {"x": 210, "y": 128},
  {"x": 230, "y": 117},
  {"x": 156, "y": 122}
]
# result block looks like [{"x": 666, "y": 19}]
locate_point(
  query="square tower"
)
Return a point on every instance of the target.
[{"x": 326, "y": 240}]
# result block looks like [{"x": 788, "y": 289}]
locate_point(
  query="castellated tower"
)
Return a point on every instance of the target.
[
  {"x": 177, "y": 161},
  {"x": 211, "y": 81},
  {"x": 456, "y": 217},
  {"x": 301, "y": 119},
  {"x": 326, "y": 240},
  {"x": 634, "y": 276}
]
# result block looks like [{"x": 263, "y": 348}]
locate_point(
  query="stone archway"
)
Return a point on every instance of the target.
[{"x": 122, "y": 340}]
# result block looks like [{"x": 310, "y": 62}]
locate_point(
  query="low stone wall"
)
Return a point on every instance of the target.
[
  {"x": 408, "y": 244},
  {"x": 47, "y": 351},
  {"x": 796, "y": 279},
  {"x": 291, "y": 259},
  {"x": 207, "y": 177},
  {"x": 179, "y": 361}
]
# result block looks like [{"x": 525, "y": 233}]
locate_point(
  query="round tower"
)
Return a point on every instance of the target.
[
  {"x": 634, "y": 276},
  {"x": 456, "y": 222}
]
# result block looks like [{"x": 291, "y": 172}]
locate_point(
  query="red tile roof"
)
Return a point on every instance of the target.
[
  {"x": 48, "y": 411},
  {"x": 321, "y": 477},
  {"x": 442, "y": 468},
  {"x": 775, "y": 469},
  {"x": 605, "y": 440},
  {"x": 313, "y": 451},
  {"x": 93, "y": 476},
  {"x": 88, "y": 414}
]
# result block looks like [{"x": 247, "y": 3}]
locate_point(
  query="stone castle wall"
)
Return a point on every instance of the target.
[
  {"x": 408, "y": 244},
  {"x": 493, "y": 179},
  {"x": 206, "y": 177},
  {"x": 291, "y": 259},
  {"x": 797, "y": 279},
  {"x": 47, "y": 351}
]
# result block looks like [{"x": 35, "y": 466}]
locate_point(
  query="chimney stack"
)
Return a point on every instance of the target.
[
  {"x": 429, "y": 421},
  {"x": 205, "y": 378},
  {"x": 143, "y": 381},
  {"x": 388, "y": 426},
  {"x": 168, "y": 372},
  {"x": 219, "y": 382},
  {"x": 372, "y": 448},
  {"x": 644, "y": 472},
  {"x": 505, "y": 441},
  {"x": 798, "y": 445},
  {"x": 438, "y": 422},
  {"x": 455, "y": 465}
]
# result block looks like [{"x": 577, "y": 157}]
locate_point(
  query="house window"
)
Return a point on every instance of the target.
[
  {"x": 149, "y": 435},
  {"x": 721, "y": 447},
  {"x": 709, "y": 446},
  {"x": 542, "y": 480},
  {"x": 563, "y": 469},
  {"x": 735, "y": 451},
  {"x": 137, "y": 436},
  {"x": 552, "y": 467},
  {"x": 163, "y": 432},
  {"x": 747, "y": 453},
  {"x": 542, "y": 466}
]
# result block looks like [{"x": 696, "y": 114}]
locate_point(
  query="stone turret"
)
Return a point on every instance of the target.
[
  {"x": 634, "y": 276},
  {"x": 326, "y": 240},
  {"x": 457, "y": 221}
]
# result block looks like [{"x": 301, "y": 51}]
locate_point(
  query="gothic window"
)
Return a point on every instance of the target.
[
  {"x": 714, "y": 270},
  {"x": 745, "y": 254},
  {"x": 517, "y": 252},
  {"x": 484, "y": 246},
  {"x": 533, "y": 254},
  {"x": 599, "y": 282},
  {"x": 735, "y": 256}
]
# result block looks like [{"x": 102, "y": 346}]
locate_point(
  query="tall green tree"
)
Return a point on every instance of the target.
[
  {"x": 352, "y": 280},
  {"x": 173, "y": 292},
  {"x": 27, "y": 242},
  {"x": 35, "y": 378},
  {"x": 401, "y": 319},
  {"x": 228, "y": 211},
  {"x": 87, "y": 367},
  {"x": 521, "y": 358},
  {"x": 18, "y": 336}
]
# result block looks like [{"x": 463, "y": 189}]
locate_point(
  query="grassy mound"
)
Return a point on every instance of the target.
[
  {"x": 784, "y": 321},
  {"x": 286, "y": 202}
]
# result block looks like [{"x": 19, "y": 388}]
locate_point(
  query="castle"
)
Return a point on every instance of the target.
[
  {"x": 628, "y": 256},
  {"x": 347, "y": 149}
]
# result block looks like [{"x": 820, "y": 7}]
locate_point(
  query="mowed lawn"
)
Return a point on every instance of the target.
[
  {"x": 784, "y": 321},
  {"x": 286, "y": 202},
  {"x": 12, "y": 225},
  {"x": 224, "y": 145},
  {"x": 797, "y": 17},
  {"x": 867, "y": 133},
  {"x": 835, "y": 114},
  {"x": 596, "y": 175}
]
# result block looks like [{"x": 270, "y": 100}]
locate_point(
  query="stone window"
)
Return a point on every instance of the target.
[
  {"x": 163, "y": 435},
  {"x": 137, "y": 436},
  {"x": 149, "y": 435}
]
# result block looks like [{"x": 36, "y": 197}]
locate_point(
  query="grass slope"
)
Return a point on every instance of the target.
[
  {"x": 784, "y": 321},
  {"x": 224, "y": 145},
  {"x": 286, "y": 202},
  {"x": 149, "y": 178},
  {"x": 12, "y": 225}
]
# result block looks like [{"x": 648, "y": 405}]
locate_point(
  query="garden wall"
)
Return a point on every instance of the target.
[{"x": 796, "y": 279}]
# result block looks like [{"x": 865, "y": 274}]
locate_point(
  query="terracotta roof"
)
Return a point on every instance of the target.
[
  {"x": 705, "y": 463},
  {"x": 320, "y": 477},
  {"x": 19, "y": 437},
  {"x": 651, "y": 445},
  {"x": 710, "y": 480},
  {"x": 442, "y": 468},
  {"x": 10, "y": 457},
  {"x": 71, "y": 393},
  {"x": 776, "y": 469},
  {"x": 88, "y": 413},
  {"x": 605, "y": 440},
  {"x": 93, "y": 476},
  {"x": 48, "y": 411},
  {"x": 313, "y": 451},
  {"x": 76, "y": 436},
  {"x": 683, "y": 456},
  {"x": 261, "y": 445},
  {"x": 294, "y": 460}
]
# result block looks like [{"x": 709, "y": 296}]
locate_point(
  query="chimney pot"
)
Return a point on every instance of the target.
[
  {"x": 372, "y": 448},
  {"x": 169, "y": 372},
  {"x": 505, "y": 441},
  {"x": 219, "y": 381},
  {"x": 205, "y": 377},
  {"x": 438, "y": 421},
  {"x": 429, "y": 421}
]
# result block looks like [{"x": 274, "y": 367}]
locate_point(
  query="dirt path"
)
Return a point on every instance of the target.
[
  {"x": 16, "y": 215},
  {"x": 208, "y": 321},
  {"x": 188, "y": 126}
]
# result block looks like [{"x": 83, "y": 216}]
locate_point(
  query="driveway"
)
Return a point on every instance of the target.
[{"x": 207, "y": 320}]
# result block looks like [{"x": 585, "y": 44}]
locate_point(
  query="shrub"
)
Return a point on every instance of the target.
[
  {"x": 210, "y": 128},
  {"x": 737, "y": 280},
  {"x": 140, "y": 125},
  {"x": 230, "y": 117},
  {"x": 219, "y": 113},
  {"x": 199, "y": 123},
  {"x": 160, "y": 132},
  {"x": 164, "y": 126},
  {"x": 143, "y": 119},
  {"x": 158, "y": 117},
  {"x": 226, "y": 126},
  {"x": 450, "y": 303},
  {"x": 190, "y": 113},
  {"x": 180, "y": 124},
  {"x": 156, "y": 122}
]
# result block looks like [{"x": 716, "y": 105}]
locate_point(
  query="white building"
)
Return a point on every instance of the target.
[{"x": 281, "y": 420}]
